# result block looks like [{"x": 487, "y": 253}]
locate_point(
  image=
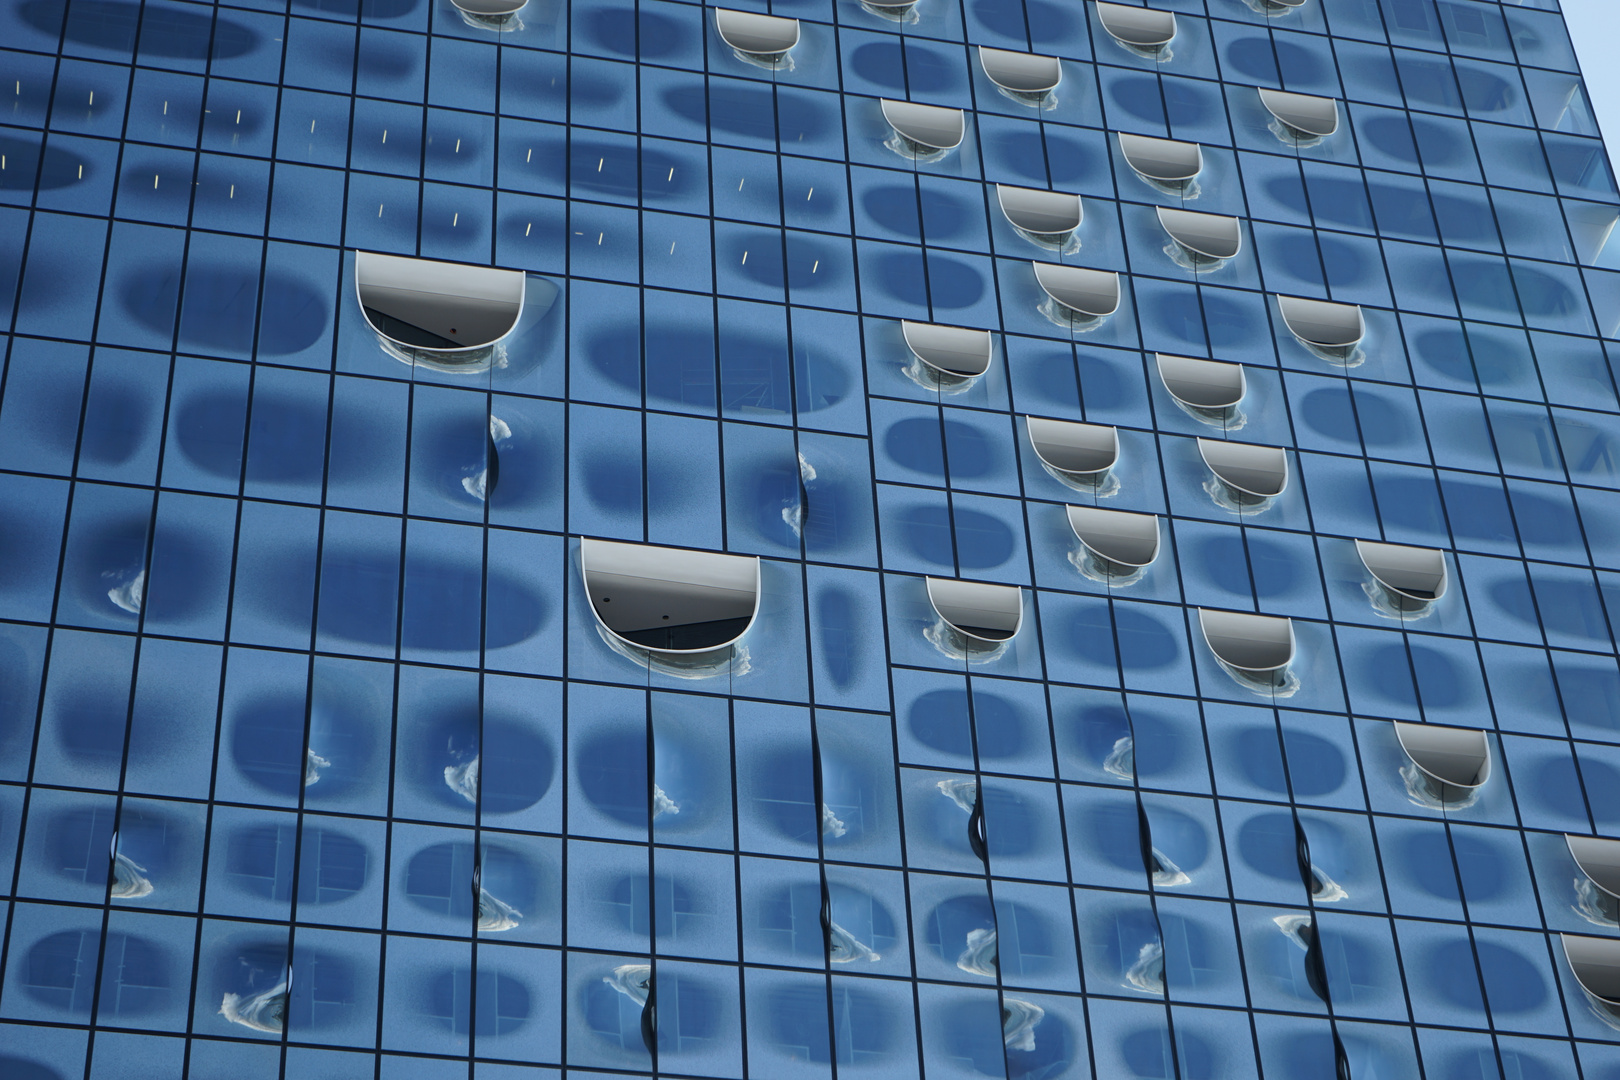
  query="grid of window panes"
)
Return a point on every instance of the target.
[{"x": 316, "y": 762}]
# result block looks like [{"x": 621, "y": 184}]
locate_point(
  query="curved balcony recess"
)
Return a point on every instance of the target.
[
  {"x": 925, "y": 130},
  {"x": 1089, "y": 295},
  {"x": 953, "y": 355},
  {"x": 1205, "y": 239},
  {"x": 1452, "y": 761},
  {"x": 1304, "y": 116},
  {"x": 1049, "y": 218},
  {"x": 903, "y": 11},
  {"x": 1123, "y": 542},
  {"x": 670, "y": 601},
  {"x": 1251, "y": 473},
  {"x": 1162, "y": 161},
  {"x": 1257, "y": 646},
  {"x": 1411, "y": 578},
  {"x": 1025, "y": 77},
  {"x": 1334, "y": 330},
  {"x": 489, "y": 13},
  {"x": 1595, "y": 963},
  {"x": 1599, "y": 859},
  {"x": 447, "y": 311},
  {"x": 1210, "y": 389},
  {"x": 1137, "y": 28},
  {"x": 1078, "y": 452},
  {"x": 991, "y": 614},
  {"x": 765, "y": 39}
]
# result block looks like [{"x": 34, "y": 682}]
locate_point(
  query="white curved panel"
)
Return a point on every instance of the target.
[
  {"x": 1076, "y": 450},
  {"x": 1027, "y": 74},
  {"x": 1090, "y": 293},
  {"x": 1595, "y": 963},
  {"x": 1253, "y": 644},
  {"x": 490, "y": 9},
  {"x": 1456, "y": 759},
  {"x": 763, "y": 37},
  {"x": 442, "y": 307},
  {"x": 950, "y": 350},
  {"x": 1126, "y": 540},
  {"x": 1305, "y": 115},
  {"x": 1050, "y": 216},
  {"x": 1209, "y": 385},
  {"x": 1412, "y": 576},
  {"x": 1167, "y": 161},
  {"x": 1260, "y": 472},
  {"x": 1209, "y": 236},
  {"x": 1336, "y": 328},
  {"x": 928, "y": 127},
  {"x": 988, "y": 613},
  {"x": 1599, "y": 859},
  {"x": 1138, "y": 27},
  {"x": 670, "y": 601}
]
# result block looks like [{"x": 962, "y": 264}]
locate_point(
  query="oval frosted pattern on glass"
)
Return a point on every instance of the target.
[
  {"x": 1261, "y": 471},
  {"x": 1323, "y": 323},
  {"x": 1094, "y": 293},
  {"x": 764, "y": 36},
  {"x": 1458, "y": 757},
  {"x": 1310, "y": 116},
  {"x": 1202, "y": 384},
  {"x": 1165, "y": 160},
  {"x": 1116, "y": 535},
  {"x": 670, "y": 599},
  {"x": 423, "y": 304},
  {"x": 1595, "y": 963},
  {"x": 1044, "y": 213},
  {"x": 1599, "y": 859},
  {"x": 1256, "y": 643},
  {"x": 955, "y": 350},
  {"x": 985, "y": 612},
  {"x": 930, "y": 126},
  {"x": 1214, "y": 236},
  {"x": 1411, "y": 572},
  {"x": 1073, "y": 448},
  {"x": 1021, "y": 73},
  {"x": 1138, "y": 26},
  {"x": 490, "y": 9}
]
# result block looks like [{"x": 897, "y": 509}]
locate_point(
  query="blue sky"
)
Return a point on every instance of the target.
[{"x": 1595, "y": 26}]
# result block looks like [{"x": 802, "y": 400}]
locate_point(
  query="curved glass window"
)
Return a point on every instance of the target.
[
  {"x": 1251, "y": 474},
  {"x": 1142, "y": 30},
  {"x": 1451, "y": 762},
  {"x": 1301, "y": 117},
  {"x": 1332, "y": 331},
  {"x": 1121, "y": 543},
  {"x": 1210, "y": 390},
  {"x": 448, "y": 316},
  {"x": 1408, "y": 579},
  {"x": 1166, "y": 164},
  {"x": 1599, "y": 860},
  {"x": 924, "y": 132},
  {"x": 1024, "y": 77},
  {"x": 1077, "y": 295},
  {"x": 670, "y": 601},
  {"x": 1047, "y": 218},
  {"x": 984, "y": 613},
  {"x": 1273, "y": 8},
  {"x": 947, "y": 357},
  {"x": 1202, "y": 241},
  {"x": 760, "y": 39},
  {"x": 901, "y": 11},
  {"x": 491, "y": 14},
  {"x": 1080, "y": 455},
  {"x": 1595, "y": 963},
  {"x": 1258, "y": 648}
]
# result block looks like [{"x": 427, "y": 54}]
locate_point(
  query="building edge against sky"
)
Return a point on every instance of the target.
[{"x": 844, "y": 538}]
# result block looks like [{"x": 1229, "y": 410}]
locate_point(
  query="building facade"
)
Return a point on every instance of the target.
[{"x": 904, "y": 538}]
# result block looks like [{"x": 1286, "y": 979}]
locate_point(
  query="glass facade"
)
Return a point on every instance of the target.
[{"x": 946, "y": 539}]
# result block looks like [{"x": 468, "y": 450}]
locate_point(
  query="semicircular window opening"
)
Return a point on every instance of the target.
[
  {"x": 1273, "y": 8},
  {"x": 900, "y": 11},
  {"x": 1167, "y": 165},
  {"x": 1448, "y": 764},
  {"x": 1595, "y": 963},
  {"x": 498, "y": 15},
  {"x": 1201, "y": 242},
  {"x": 1141, "y": 30},
  {"x": 1049, "y": 219},
  {"x": 1208, "y": 390},
  {"x": 671, "y": 603},
  {"x": 1300, "y": 119},
  {"x": 1599, "y": 860},
  {"x": 948, "y": 359},
  {"x": 923, "y": 132},
  {"x": 761, "y": 40},
  {"x": 1249, "y": 476},
  {"x": 1255, "y": 649},
  {"x": 1027, "y": 78},
  {"x": 1078, "y": 455},
  {"x": 1077, "y": 297},
  {"x": 979, "y": 617},
  {"x": 1117, "y": 545},
  {"x": 1331, "y": 331},
  {"x": 447, "y": 316},
  {"x": 1406, "y": 580}
]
